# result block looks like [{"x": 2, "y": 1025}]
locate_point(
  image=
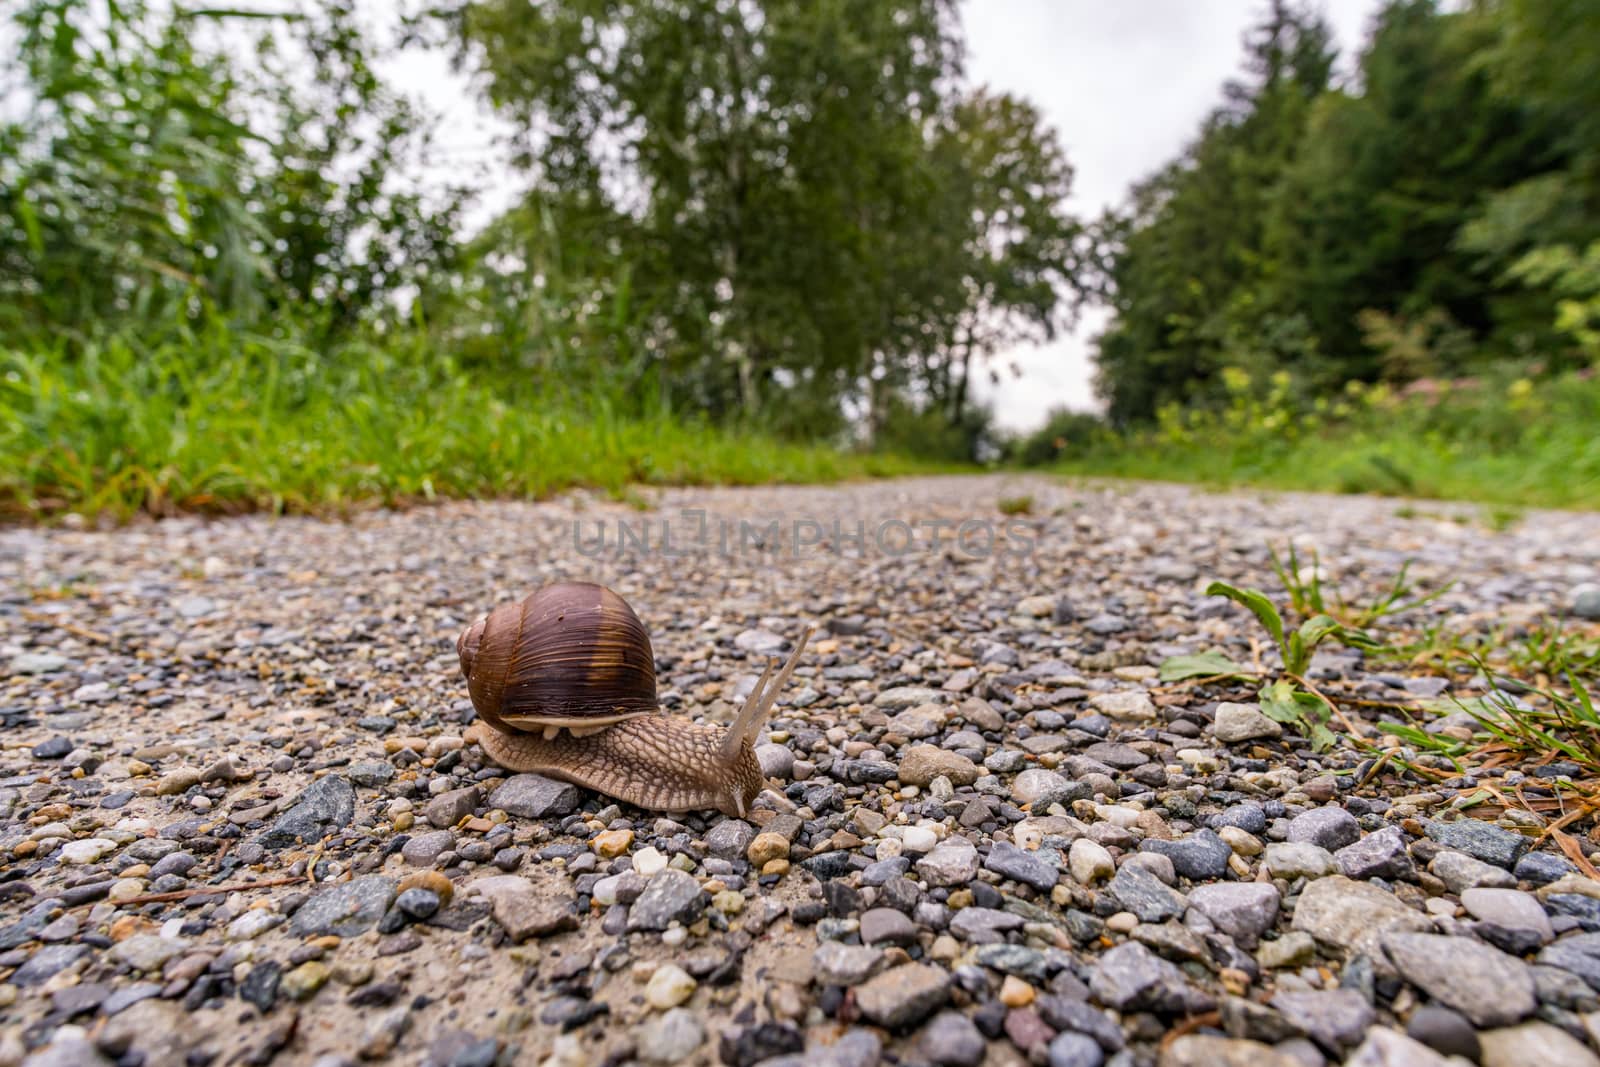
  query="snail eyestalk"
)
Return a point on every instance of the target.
[{"x": 753, "y": 714}]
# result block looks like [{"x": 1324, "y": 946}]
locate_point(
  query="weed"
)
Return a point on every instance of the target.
[
  {"x": 1306, "y": 596},
  {"x": 1016, "y": 505}
]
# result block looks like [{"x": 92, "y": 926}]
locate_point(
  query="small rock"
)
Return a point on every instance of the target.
[
  {"x": 952, "y": 863},
  {"x": 1292, "y": 859},
  {"x": 1445, "y": 1031},
  {"x": 1243, "y": 722},
  {"x": 1203, "y": 1050},
  {"x": 1534, "y": 1043},
  {"x": 837, "y": 963},
  {"x": 423, "y": 850},
  {"x": 1486, "y": 985},
  {"x": 1201, "y": 856},
  {"x": 1381, "y": 854},
  {"x": 1461, "y": 872},
  {"x": 1133, "y": 705},
  {"x": 1510, "y": 908},
  {"x": 177, "y": 782},
  {"x": 523, "y": 910},
  {"x": 923, "y": 763},
  {"x": 668, "y": 987},
  {"x": 1329, "y": 827},
  {"x": 1353, "y": 915},
  {"x": 449, "y": 808},
  {"x": 671, "y": 1037},
  {"x": 1030, "y": 868},
  {"x": 767, "y": 847},
  {"x": 345, "y": 909},
  {"x": 670, "y": 895},
  {"x": 1089, "y": 862},
  {"x": 1390, "y": 1048},
  {"x": 904, "y": 995},
  {"x": 303, "y": 982},
  {"x": 1481, "y": 840},
  {"x": 533, "y": 796},
  {"x": 950, "y": 1040},
  {"x": 1243, "y": 910},
  {"x": 1132, "y": 978},
  {"x": 1333, "y": 1018},
  {"x": 1142, "y": 893}
]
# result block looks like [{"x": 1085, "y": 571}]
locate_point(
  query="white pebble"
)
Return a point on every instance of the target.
[
  {"x": 1089, "y": 861},
  {"x": 86, "y": 851},
  {"x": 668, "y": 987},
  {"x": 648, "y": 861},
  {"x": 674, "y": 936},
  {"x": 919, "y": 839}
]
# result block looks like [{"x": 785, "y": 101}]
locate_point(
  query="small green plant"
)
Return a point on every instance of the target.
[
  {"x": 1291, "y": 699},
  {"x": 1016, "y": 505},
  {"x": 1306, "y": 595}
]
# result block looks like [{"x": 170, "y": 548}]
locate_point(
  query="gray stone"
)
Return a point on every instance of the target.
[
  {"x": 951, "y": 863},
  {"x": 1446, "y": 1032},
  {"x": 1461, "y": 872},
  {"x": 146, "y": 952},
  {"x": 47, "y": 962},
  {"x": 1299, "y": 859},
  {"x": 1353, "y": 916},
  {"x": 1040, "y": 788},
  {"x": 1243, "y": 722},
  {"x": 984, "y": 926},
  {"x": 924, "y": 720},
  {"x": 1074, "y": 1050},
  {"x": 523, "y": 910},
  {"x": 923, "y": 763},
  {"x": 370, "y": 773},
  {"x": 1204, "y": 1050},
  {"x": 1481, "y": 840},
  {"x": 950, "y": 1040},
  {"x": 1381, "y": 854},
  {"x": 904, "y": 995},
  {"x": 1243, "y": 910},
  {"x": 777, "y": 761},
  {"x": 422, "y": 850},
  {"x": 859, "y": 1047},
  {"x": 908, "y": 696},
  {"x": 1510, "y": 908},
  {"x": 67, "y": 1050},
  {"x": 836, "y": 963},
  {"x": 1064, "y": 1013},
  {"x": 1586, "y": 600},
  {"x": 37, "y": 663},
  {"x": 346, "y": 909},
  {"x": 1534, "y": 1043},
  {"x": 1141, "y": 892},
  {"x": 326, "y": 805},
  {"x": 1200, "y": 856},
  {"x": 1132, "y": 978},
  {"x": 730, "y": 839},
  {"x": 1330, "y": 827},
  {"x": 533, "y": 796},
  {"x": 671, "y": 895},
  {"x": 1482, "y": 983},
  {"x": 1390, "y": 1048},
  {"x": 449, "y": 808},
  {"x": 1541, "y": 868},
  {"x": 670, "y": 1037},
  {"x": 1030, "y": 868},
  {"x": 1333, "y": 1018},
  {"x": 886, "y": 925},
  {"x": 1578, "y": 954}
]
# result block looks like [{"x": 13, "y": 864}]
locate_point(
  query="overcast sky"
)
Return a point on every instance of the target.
[{"x": 1125, "y": 83}]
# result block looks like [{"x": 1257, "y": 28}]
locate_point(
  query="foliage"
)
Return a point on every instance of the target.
[
  {"x": 1506, "y": 439},
  {"x": 1064, "y": 432},
  {"x": 774, "y": 209},
  {"x": 1423, "y": 220},
  {"x": 214, "y": 419},
  {"x": 1286, "y": 699},
  {"x": 151, "y": 176},
  {"x": 1307, "y": 594}
]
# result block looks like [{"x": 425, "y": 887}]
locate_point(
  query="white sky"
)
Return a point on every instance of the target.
[{"x": 1125, "y": 82}]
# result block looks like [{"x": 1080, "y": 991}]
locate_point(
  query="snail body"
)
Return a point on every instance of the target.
[{"x": 564, "y": 685}]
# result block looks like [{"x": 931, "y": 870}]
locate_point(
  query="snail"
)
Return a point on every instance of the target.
[{"x": 564, "y": 685}]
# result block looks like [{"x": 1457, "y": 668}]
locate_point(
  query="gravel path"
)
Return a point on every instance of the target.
[{"x": 239, "y": 824}]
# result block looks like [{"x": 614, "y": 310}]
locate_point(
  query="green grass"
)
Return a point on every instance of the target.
[
  {"x": 222, "y": 422},
  {"x": 1538, "y": 449}
]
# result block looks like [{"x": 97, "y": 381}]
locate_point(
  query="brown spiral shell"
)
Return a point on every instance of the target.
[{"x": 569, "y": 655}]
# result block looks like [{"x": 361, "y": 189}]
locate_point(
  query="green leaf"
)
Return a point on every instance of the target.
[
  {"x": 1257, "y": 602},
  {"x": 1201, "y": 665}
]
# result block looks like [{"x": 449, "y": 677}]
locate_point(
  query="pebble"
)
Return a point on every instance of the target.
[
  {"x": 346, "y": 909},
  {"x": 904, "y": 995},
  {"x": 951, "y": 863},
  {"x": 1291, "y": 860},
  {"x": 1235, "y": 723},
  {"x": 1200, "y": 856},
  {"x": 1089, "y": 862},
  {"x": 1353, "y": 916},
  {"x": 1243, "y": 910},
  {"x": 668, "y": 987},
  {"x": 1480, "y": 840},
  {"x": 766, "y": 847},
  {"x": 1029, "y": 868},
  {"x": 1534, "y": 1043},
  {"x": 670, "y": 896},
  {"x": 1486, "y": 985},
  {"x": 1331, "y": 828},
  {"x": 671, "y": 1037},
  {"x": 950, "y": 1040}
]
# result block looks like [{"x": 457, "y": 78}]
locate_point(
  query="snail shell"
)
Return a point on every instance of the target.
[{"x": 570, "y": 655}]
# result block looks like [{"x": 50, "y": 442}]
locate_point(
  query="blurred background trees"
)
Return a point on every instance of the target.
[{"x": 794, "y": 216}]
